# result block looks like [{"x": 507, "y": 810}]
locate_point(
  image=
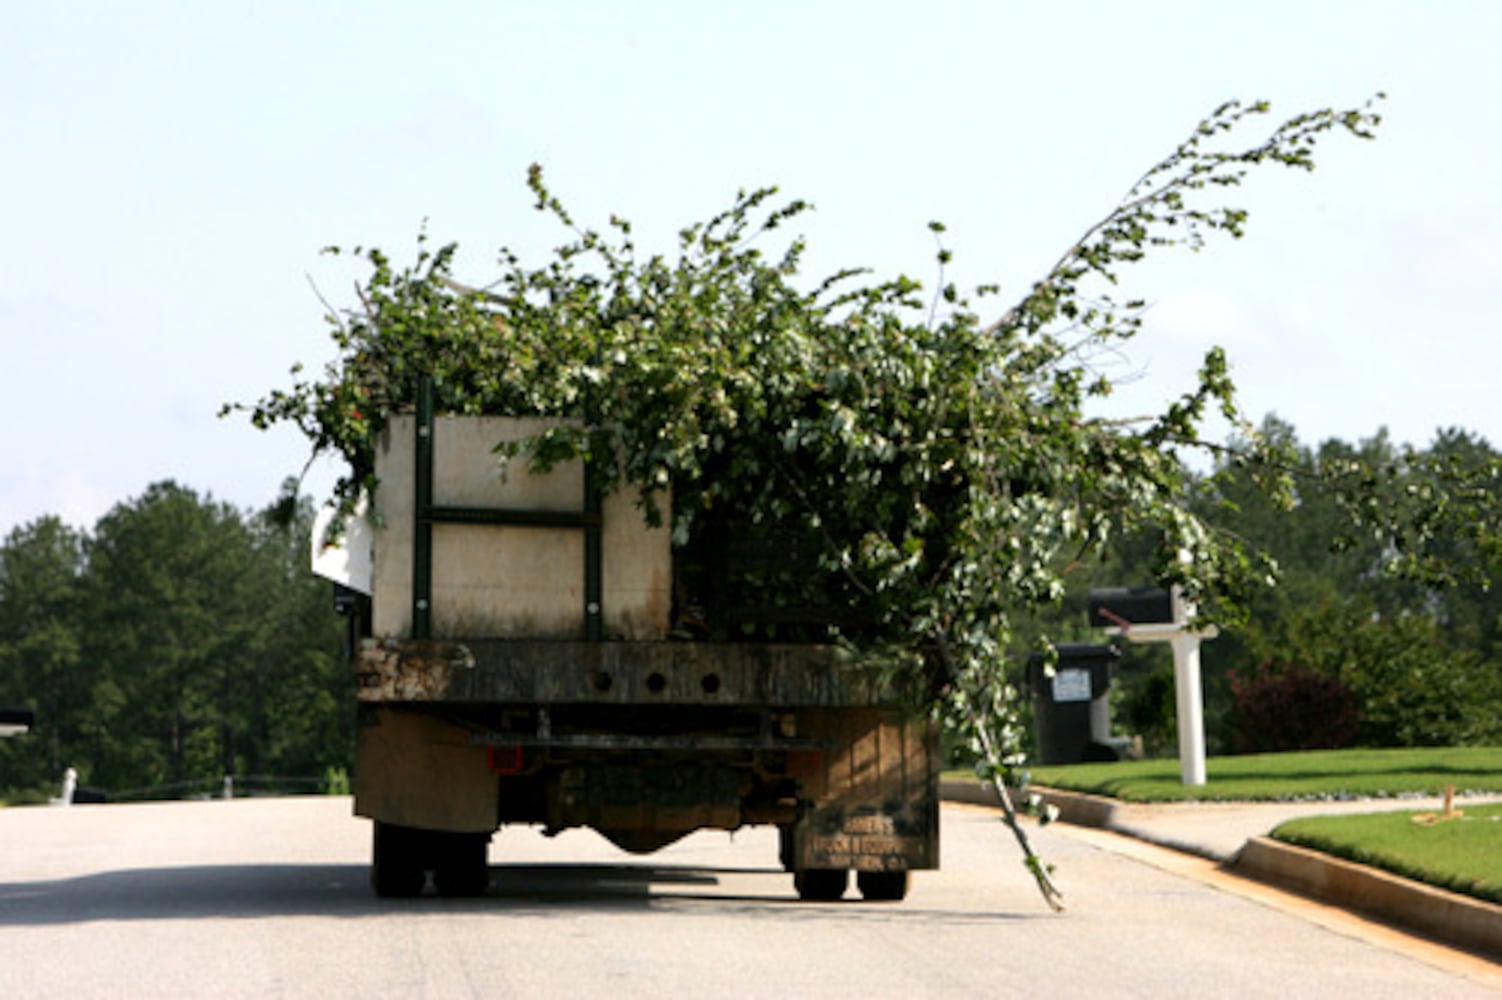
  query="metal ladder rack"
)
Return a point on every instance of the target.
[{"x": 427, "y": 514}]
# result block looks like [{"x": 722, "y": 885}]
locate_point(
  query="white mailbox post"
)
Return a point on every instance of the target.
[{"x": 1126, "y": 620}]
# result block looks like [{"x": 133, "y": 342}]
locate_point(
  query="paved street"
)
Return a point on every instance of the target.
[{"x": 267, "y": 898}]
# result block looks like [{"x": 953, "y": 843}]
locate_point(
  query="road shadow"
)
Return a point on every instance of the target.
[{"x": 262, "y": 891}]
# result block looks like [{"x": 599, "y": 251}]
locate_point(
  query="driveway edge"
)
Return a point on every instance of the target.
[{"x": 1455, "y": 919}]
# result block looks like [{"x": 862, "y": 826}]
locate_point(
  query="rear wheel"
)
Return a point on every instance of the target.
[
  {"x": 396, "y": 865},
  {"x": 882, "y": 886},
  {"x": 821, "y": 885},
  {"x": 403, "y": 856},
  {"x": 460, "y": 866},
  {"x": 785, "y": 846}
]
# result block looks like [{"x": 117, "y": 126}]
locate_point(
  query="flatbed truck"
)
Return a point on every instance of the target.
[{"x": 525, "y": 653}]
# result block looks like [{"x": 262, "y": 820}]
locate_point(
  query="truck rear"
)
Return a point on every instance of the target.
[{"x": 530, "y": 650}]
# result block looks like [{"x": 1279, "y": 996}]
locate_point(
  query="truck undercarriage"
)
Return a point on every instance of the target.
[{"x": 645, "y": 746}]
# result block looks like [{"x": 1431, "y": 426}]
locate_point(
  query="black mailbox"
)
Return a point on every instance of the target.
[
  {"x": 1121, "y": 606},
  {"x": 1071, "y": 711},
  {"x": 16, "y": 720}
]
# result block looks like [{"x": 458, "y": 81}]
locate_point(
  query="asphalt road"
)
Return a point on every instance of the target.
[{"x": 268, "y": 898}]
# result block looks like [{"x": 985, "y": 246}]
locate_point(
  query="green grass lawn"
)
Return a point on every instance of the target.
[
  {"x": 1463, "y": 854},
  {"x": 1324, "y": 774}
]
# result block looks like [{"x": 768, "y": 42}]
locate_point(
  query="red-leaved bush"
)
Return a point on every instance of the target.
[{"x": 1289, "y": 707}]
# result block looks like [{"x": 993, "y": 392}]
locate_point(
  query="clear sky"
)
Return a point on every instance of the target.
[{"x": 169, "y": 171}]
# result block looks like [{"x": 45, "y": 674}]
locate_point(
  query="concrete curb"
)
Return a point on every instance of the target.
[
  {"x": 1459, "y": 920},
  {"x": 1073, "y": 807},
  {"x": 1449, "y": 917}
]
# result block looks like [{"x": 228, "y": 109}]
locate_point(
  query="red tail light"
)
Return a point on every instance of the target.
[{"x": 506, "y": 760}]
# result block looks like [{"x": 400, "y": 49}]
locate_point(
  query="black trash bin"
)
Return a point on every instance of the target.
[{"x": 1071, "y": 709}]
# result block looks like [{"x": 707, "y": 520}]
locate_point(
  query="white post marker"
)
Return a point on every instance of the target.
[
  {"x": 70, "y": 785},
  {"x": 1188, "y": 690}
]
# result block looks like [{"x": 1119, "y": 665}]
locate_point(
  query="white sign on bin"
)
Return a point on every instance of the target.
[{"x": 1071, "y": 685}]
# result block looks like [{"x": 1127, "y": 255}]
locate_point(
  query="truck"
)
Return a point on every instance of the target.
[{"x": 529, "y": 648}]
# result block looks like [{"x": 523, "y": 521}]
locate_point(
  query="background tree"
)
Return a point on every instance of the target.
[
  {"x": 1402, "y": 620},
  {"x": 215, "y": 647},
  {"x": 298, "y": 705},
  {"x": 180, "y": 642},
  {"x": 161, "y": 570},
  {"x": 40, "y": 662}
]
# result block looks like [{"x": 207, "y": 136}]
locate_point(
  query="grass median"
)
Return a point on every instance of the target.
[
  {"x": 1313, "y": 775},
  {"x": 1461, "y": 851}
]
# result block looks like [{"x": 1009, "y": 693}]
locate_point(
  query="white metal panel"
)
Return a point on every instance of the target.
[
  {"x": 516, "y": 582},
  {"x": 350, "y": 560}
]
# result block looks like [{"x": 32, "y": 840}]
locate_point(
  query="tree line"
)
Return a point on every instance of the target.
[
  {"x": 1344, "y": 650},
  {"x": 181, "y": 640},
  {"x": 178, "y": 641}
]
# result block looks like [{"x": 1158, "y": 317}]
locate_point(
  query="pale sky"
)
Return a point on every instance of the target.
[{"x": 169, "y": 171}]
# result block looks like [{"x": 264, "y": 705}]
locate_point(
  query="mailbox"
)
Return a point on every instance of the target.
[
  {"x": 15, "y": 721},
  {"x": 1071, "y": 705},
  {"x": 1118, "y": 607}
]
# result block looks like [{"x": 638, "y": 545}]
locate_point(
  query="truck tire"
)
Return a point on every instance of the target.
[
  {"x": 821, "y": 885},
  {"x": 396, "y": 866},
  {"x": 461, "y": 868},
  {"x": 785, "y": 846},
  {"x": 888, "y": 887}
]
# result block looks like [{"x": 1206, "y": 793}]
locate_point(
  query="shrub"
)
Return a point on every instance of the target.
[{"x": 1289, "y": 707}]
